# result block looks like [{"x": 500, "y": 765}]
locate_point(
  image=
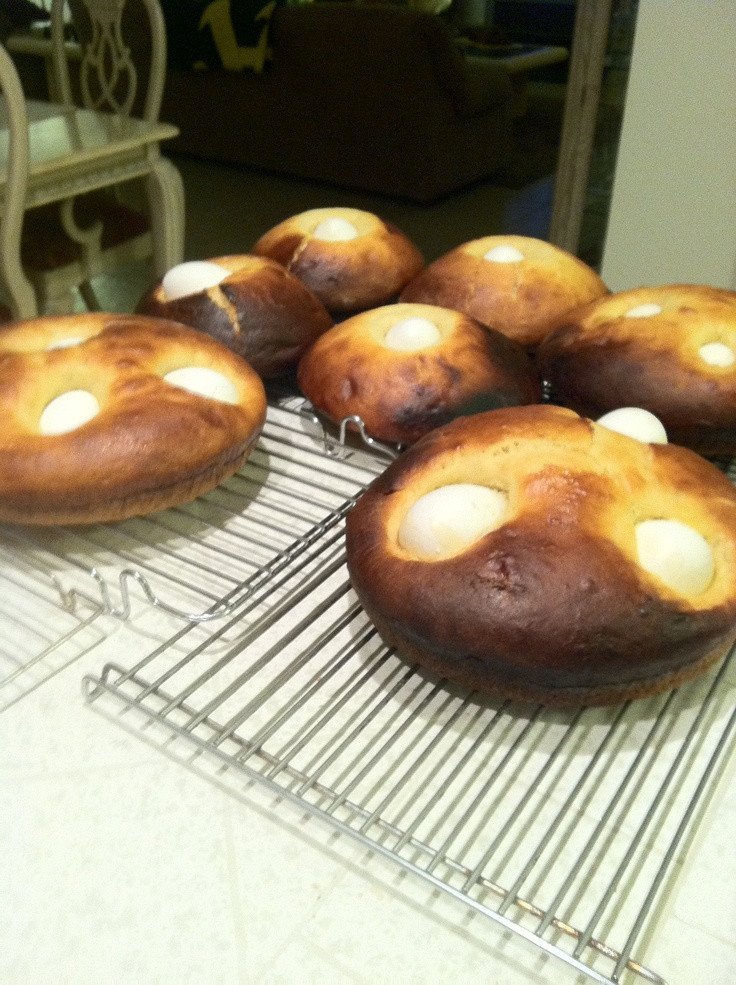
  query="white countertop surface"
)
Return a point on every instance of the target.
[
  {"x": 126, "y": 858},
  {"x": 120, "y": 866}
]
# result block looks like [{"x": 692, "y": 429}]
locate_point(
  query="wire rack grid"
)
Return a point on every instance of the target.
[
  {"x": 564, "y": 827},
  {"x": 64, "y": 590}
]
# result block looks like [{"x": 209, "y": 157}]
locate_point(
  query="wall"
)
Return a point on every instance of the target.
[{"x": 673, "y": 205}]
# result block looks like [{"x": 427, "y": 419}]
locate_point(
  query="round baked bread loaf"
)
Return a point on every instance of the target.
[
  {"x": 533, "y": 554},
  {"x": 111, "y": 416},
  {"x": 404, "y": 369},
  {"x": 250, "y": 304},
  {"x": 350, "y": 259},
  {"x": 670, "y": 349},
  {"x": 518, "y": 285}
]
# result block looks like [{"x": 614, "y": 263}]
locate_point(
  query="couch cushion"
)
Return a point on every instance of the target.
[{"x": 230, "y": 34}]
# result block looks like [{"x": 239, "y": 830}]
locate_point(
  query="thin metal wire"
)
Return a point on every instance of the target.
[
  {"x": 216, "y": 551},
  {"x": 293, "y": 689}
]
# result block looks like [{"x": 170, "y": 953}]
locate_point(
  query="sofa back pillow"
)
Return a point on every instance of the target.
[{"x": 221, "y": 34}]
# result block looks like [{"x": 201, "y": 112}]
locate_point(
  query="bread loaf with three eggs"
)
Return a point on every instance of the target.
[{"x": 532, "y": 554}]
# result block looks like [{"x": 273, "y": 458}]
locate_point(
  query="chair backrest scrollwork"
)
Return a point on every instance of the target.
[{"x": 123, "y": 57}]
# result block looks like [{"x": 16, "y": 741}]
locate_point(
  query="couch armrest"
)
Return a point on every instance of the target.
[{"x": 486, "y": 85}]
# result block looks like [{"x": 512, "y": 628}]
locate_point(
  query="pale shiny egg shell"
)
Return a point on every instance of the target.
[
  {"x": 636, "y": 422},
  {"x": 675, "y": 553},
  {"x": 504, "y": 253},
  {"x": 412, "y": 333},
  {"x": 644, "y": 310},
  {"x": 191, "y": 277},
  {"x": 717, "y": 354},
  {"x": 335, "y": 229},
  {"x": 449, "y": 519},
  {"x": 68, "y": 411},
  {"x": 67, "y": 343},
  {"x": 205, "y": 382}
]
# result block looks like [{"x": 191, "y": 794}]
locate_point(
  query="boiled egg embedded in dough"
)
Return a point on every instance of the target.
[
  {"x": 644, "y": 311},
  {"x": 717, "y": 354},
  {"x": 68, "y": 411},
  {"x": 205, "y": 382},
  {"x": 636, "y": 423},
  {"x": 191, "y": 277},
  {"x": 449, "y": 519},
  {"x": 504, "y": 253},
  {"x": 412, "y": 333},
  {"x": 67, "y": 343},
  {"x": 676, "y": 554},
  {"x": 335, "y": 230}
]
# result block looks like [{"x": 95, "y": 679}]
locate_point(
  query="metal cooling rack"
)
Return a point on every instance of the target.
[
  {"x": 38, "y": 636},
  {"x": 63, "y": 590},
  {"x": 564, "y": 827}
]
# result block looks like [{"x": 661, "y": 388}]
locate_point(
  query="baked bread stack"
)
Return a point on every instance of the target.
[
  {"x": 404, "y": 369},
  {"x": 250, "y": 304},
  {"x": 350, "y": 259},
  {"x": 533, "y": 554},
  {"x": 517, "y": 285},
  {"x": 669, "y": 349},
  {"x": 111, "y": 416}
]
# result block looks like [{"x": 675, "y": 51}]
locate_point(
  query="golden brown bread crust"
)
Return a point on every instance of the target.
[
  {"x": 400, "y": 396},
  {"x": 152, "y": 445},
  {"x": 553, "y": 605},
  {"x": 600, "y": 360},
  {"x": 523, "y": 300},
  {"x": 261, "y": 311},
  {"x": 348, "y": 276}
]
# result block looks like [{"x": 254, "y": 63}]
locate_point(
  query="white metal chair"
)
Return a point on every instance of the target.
[
  {"x": 121, "y": 71},
  {"x": 22, "y": 298}
]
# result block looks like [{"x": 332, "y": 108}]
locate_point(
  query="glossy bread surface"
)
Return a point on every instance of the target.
[
  {"x": 350, "y": 275},
  {"x": 553, "y": 605},
  {"x": 151, "y": 444},
  {"x": 604, "y": 357},
  {"x": 523, "y": 299},
  {"x": 260, "y": 311},
  {"x": 400, "y": 395}
]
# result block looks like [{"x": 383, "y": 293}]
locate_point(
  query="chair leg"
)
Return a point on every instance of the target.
[
  {"x": 55, "y": 299},
  {"x": 20, "y": 294},
  {"x": 165, "y": 190},
  {"x": 89, "y": 297}
]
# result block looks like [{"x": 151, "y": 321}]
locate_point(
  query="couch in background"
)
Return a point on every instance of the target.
[{"x": 361, "y": 95}]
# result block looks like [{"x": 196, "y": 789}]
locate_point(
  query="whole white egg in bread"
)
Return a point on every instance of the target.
[
  {"x": 191, "y": 277},
  {"x": 637, "y": 423},
  {"x": 450, "y": 518},
  {"x": 677, "y": 554},
  {"x": 335, "y": 229},
  {"x": 412, "y": 333}
]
